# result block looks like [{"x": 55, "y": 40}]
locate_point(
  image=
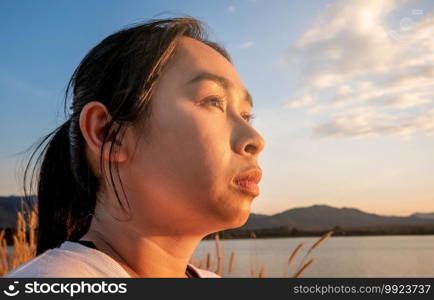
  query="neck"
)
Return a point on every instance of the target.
[{"x": 147, "y": 254}]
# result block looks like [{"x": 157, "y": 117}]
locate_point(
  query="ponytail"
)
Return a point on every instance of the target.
[{"x": 66, "y": 189}]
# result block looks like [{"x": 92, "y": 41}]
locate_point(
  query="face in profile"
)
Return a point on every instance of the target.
[{"x": 181, "y": 175}]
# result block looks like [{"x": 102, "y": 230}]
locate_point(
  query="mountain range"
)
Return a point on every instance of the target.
[{"x": 324, "y": 217}]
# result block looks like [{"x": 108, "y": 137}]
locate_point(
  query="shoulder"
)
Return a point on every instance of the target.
[
  {"x": 204, "y": 273},
  {"x": 51, "y": 263},
  {"x": 69, "y": 260}
]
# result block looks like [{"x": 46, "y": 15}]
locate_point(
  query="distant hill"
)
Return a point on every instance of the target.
[
  {"x": 8, "y": 210},
  {"x": 423, "y": 215},
  {"x": 324, "y": 217}
]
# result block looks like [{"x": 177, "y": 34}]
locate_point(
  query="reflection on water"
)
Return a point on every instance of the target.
[{"x": 369, "y": 256}]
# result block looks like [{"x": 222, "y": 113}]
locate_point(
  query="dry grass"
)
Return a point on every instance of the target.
[
  {"x": 292, "y": 257},
  {"x": 302, "y": 269},
  {"x": 231, "y": 262},
  {"x": 4, "y": 261},
  {"x": 24, "y": 241},
  {"x": 24, "y": 248},
  {"x": 218, "y": 252},
  {"x": 315, "y": 245}
]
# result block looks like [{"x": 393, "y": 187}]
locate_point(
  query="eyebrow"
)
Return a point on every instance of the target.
[{"x": 222, "y": 81}]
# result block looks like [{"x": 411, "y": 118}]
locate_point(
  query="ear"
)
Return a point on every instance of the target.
[{"x": 94, "y": 118}]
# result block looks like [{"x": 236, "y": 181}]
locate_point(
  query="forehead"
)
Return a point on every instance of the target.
[
  {"x": 193, "y": 56},
  {"x": 195, "y": 61}
]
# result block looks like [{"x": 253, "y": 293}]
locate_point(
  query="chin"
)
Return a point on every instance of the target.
[
  {"x": 232, "y": 212},
  {"x": 237, "y": 220}
]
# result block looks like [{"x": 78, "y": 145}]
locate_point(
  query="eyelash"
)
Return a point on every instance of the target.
[{"x": 247, "y": 117}]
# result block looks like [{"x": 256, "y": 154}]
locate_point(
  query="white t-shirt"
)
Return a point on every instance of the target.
[{"x": 73, "y": 259}]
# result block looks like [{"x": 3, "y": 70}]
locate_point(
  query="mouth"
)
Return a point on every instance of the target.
[
  {"x": 247, "y": 182},
  {"x": 248, "y": 187}
]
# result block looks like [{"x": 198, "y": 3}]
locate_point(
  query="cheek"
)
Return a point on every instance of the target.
[
  {"x": 202, "y": 155},
  {"x": 187, "y": 159}
]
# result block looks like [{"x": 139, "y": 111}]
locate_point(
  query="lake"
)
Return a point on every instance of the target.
[{"x": 366, "y": 256}]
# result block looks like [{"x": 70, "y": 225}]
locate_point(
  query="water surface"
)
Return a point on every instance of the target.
[{"x": 367, "y": 256}]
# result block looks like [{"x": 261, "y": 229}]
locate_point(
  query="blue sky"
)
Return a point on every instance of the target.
[{"x": 346, "y": 122}]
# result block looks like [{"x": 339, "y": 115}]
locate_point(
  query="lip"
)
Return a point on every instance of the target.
[{"x": 247, "y": 182}]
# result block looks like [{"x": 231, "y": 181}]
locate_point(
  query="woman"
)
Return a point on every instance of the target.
[{"x": 167, "y": 109}]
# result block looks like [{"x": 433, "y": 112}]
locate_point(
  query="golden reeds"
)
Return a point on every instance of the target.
[
  {"x": 231, "y": 261},
  {"x": 4, "y": 261},
  {"x": 305, "y": 266},
  {"x": 253, "y": 254},
  {"x": 208, "y": 261},
  {"x": 315, "y": 245},
  {"x": 219, "y": 269},
  {"x": 24, "y": 241},
  {"x": 322, "y": 239},
  {"x": 294, "y": 253},
  {"x": 261, "y": 272},
  {"x": 291, "y": 258}
]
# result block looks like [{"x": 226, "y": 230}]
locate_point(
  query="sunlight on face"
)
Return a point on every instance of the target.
[{"x": 200, "y": 139}]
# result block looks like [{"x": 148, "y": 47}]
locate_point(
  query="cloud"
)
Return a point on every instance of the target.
[
  {"x": 363, "y": 122},
  {"x": 231, "y": 9},
  {"x": 344, "y": 90},
  {"x": 353, "y": 60},
  {"x": 403, "y": 101}
]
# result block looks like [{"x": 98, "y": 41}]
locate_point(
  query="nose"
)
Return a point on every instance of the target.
[{"x": 253, "y": 144}]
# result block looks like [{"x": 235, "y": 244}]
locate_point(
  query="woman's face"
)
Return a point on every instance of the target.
[{"x": 180, "y": 176}]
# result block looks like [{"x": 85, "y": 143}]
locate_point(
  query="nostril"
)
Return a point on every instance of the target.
[{"x": 250, "y": 148}]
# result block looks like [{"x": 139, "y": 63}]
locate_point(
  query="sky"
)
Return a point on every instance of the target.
[{"x": 342, "y": 90}]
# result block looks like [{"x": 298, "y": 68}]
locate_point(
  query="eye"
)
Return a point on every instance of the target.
[
  {"x": 218, "y": 101},
  {"x": 249, "y": 117}
]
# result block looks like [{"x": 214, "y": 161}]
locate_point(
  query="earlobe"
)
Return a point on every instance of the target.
[
  {"x": 120, "y": 144},
  {"x": 119, "y": 153}
]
